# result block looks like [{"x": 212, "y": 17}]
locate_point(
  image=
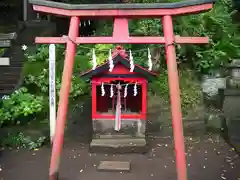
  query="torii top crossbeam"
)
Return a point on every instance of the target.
[
  {"x": 132, "y": 10},
  {"x": 121, "y": 13},
  {"x": 118, "y": 11}
]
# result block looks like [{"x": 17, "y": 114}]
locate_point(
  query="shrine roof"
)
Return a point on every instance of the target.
[
  {"x": 123, "y": 6},
  {"x": 119, "y": 56}
]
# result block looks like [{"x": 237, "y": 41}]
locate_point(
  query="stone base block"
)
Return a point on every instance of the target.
[
  {"x": 234, "y": 134},
  {"x": 130, "y": 138},
  {"x": 129, "y": 127},
  {"x": 119, "y": 145}
]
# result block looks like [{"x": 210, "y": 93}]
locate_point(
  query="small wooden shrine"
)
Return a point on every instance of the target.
[{"x": 119, "y": 101}]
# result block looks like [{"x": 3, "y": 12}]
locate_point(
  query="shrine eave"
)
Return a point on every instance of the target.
[{"x": 119, "y": 59}]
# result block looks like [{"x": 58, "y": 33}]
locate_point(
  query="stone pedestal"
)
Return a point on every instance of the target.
[
  {"x": 130, "y": 138},
  {"x": 231, "y": 104},
  {"x": 231, "y": 110}
]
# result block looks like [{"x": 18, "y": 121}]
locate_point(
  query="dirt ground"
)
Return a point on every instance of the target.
[{"x": 208, "y": 158}]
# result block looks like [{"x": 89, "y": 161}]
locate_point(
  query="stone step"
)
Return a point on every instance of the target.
[
  {"x": 4, "y": 61},
  {"x": 114, "y": 166},
  {"x": 120, "y": 136}
]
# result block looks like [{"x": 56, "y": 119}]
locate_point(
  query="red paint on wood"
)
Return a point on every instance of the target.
[
  {"x": 94, "y": 97},
  {"x": 63, "y": 101},
  {"x": 120, "y": 28},
  {"x": 100, "y": 80},
  {"x": 144, "y": 99},
  {"x": 120, "y": 69},
  {"x": 128, "y": 40},
  {"x": 98, "y": 116},
  {"x": 126, "y": 13},
  {"x": 175, "y": 98}
]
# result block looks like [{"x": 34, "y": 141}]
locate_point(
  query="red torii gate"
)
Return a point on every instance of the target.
[{"x": 121, "y": 13}]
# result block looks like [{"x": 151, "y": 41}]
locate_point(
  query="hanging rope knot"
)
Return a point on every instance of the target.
[
  {"x": 125, "y": 90},
  {"x": 131, "y": 61},
  {"x": 110, "y": 60},
  {"x": 67, "y": 38},
  {"x": 111, "y": 91},
  {"x": 172, "y": 44},
  {"x": 149, "y": 60},
  {"x": 119, "y": 87},
  {"x": 135, "y": 92},
  {"x": 94, "y": 59},
  {"x": 102, "y": 90}
]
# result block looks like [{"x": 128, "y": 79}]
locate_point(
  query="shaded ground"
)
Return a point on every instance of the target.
[{"x": 207, "y": 158}]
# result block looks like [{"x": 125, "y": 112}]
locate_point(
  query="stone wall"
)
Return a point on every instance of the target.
[{"x": 206, "y": 115}]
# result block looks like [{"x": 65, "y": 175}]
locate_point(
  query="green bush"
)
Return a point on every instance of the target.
[
  {"x": 20, "y": 140},
  {"x": 190, "y": 88},
  {"x": 18, "y": 106}
]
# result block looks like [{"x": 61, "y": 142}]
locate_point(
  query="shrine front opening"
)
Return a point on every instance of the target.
[
  {"x": 121, "y": 13},
  {"x": 106, "y": 104}
]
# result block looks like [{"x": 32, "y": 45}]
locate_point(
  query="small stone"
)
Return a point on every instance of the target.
[
  {"x": 151, "y": 175},
  {"x": 81, "y": 170},
  {"x": 204, "y": 167},
  {"x": 189, "y": 165},
  {"x": 228, "y": 160},
  {"x": 205, "y": 152},
  {"x": 0, "y": 169},
  {"x": 223, "y": 177},
  {"x": 74, "y": 157},
  {"x": 166, "y": 145},
  {"x": 165, "y": 166}
]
